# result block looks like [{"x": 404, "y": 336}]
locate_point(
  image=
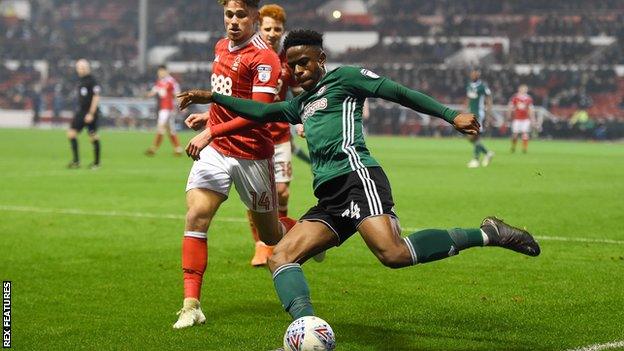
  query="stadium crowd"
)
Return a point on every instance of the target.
[{"x": 575, "y": 74}]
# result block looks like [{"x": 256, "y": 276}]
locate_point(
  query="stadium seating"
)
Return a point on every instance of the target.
[{"x": 574, "y": 44}]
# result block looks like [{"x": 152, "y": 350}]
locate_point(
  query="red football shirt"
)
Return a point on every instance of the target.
[
  {"x": 167, "y": 89},
  {"x": 280, "y": 131},
  {"x": 520, "y": 104},
  {"x": 241, "y": 71}
]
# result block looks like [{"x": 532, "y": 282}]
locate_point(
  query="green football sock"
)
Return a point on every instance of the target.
[
  {"x": 481, "y": 148},
  {"x": 435, "y": 244},
  {"x": 476, "y": 152},
  {"x": 292, "y": 290}
]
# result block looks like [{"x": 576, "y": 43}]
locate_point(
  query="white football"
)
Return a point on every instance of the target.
[{"x": 309, "y": 334}]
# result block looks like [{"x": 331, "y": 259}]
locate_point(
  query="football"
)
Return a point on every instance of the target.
[{"x": 309, "y": 334}]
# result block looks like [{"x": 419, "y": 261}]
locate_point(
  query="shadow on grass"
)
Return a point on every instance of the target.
[{"x": 389, "y": 339}]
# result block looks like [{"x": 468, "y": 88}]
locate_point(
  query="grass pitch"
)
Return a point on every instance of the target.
[{"x": 94, "y": 256}]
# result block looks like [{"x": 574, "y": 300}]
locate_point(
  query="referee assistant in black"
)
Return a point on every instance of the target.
[{"x": 87, "y": 114}]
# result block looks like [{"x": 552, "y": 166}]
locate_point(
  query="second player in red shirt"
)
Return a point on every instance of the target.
[
  {"x": 166, "y": 88},
  {"x": 521, "y": 113},
  {"x": 230, "y": 150}
]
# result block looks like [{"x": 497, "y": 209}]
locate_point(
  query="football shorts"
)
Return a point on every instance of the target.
[
  {"x": 345, "y": 201},
  {"x": 253, "y": 179},
  {"x": 283, "y": 162},
  {"x": 166, "y": 119},
  {"x": 520, "y": 126},
  {"x": 78, "y": 123}
]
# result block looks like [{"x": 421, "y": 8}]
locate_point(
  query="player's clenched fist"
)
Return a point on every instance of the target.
[
  {"x": 197, "y": 121},
  {"x": 198, "y": 143},
  {"x": 196, "y": 96},
  {"x": 467, "y": 123}
]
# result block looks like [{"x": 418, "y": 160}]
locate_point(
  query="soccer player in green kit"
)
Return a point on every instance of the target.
[
  {"x": 352, "y": 189},
  {"x": 479, "y": 103}
]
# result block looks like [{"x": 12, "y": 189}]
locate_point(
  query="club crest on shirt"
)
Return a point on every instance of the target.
[
  {"x": 264, "y": 73},
  {"x": 312, "y": 107},
  {"x": 236, "y": 63},
  {"x": 321, "y": 90},
  {"x": 369, "y": 74}
]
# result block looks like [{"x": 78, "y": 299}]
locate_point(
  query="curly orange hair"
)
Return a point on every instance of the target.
[{"x": 273, "y": 11}]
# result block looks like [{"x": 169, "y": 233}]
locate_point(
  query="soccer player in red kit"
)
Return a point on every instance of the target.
[
  {"x": 272, "y": 21},
  {"x": 166, "y": 88},
  {"x": 231, "y": 150},
  {"x": 522, "y": 114}
]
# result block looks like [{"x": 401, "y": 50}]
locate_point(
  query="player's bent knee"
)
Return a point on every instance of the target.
[
  {"x": 278, "y": 258},
  {"x": 394, "y": 258}
]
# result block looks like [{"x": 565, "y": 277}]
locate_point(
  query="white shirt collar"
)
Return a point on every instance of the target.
[{"x": 238, "y": 47}]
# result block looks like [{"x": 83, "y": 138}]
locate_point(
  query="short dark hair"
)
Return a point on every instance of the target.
[
  {"x": 162, "y": 67},
  {"x": 303, "y": 37},
  {"x": 251, "y": 3}
]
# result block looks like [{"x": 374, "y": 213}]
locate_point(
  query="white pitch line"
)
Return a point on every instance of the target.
[
  {"x": 555, "y": 238},
  {"x": 581, "y": 240},
  {"x": 80, "y": 212},
  {"x": 599, "y": 347}
]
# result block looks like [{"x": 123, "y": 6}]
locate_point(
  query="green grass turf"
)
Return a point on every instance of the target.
[{"x": 114, "y": 282}]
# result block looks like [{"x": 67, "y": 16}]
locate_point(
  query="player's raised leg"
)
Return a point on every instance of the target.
[
  {"x": 304, "y": 240},
  {"x": 202, "y": 205},
  {"x": 382, "y": 237}
]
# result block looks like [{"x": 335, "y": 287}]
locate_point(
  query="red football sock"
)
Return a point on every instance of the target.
[
  {"x": 288, "y": 223},
  {"x": 158, "y": 140},
  {"x": 194, "y": 261},
  {"x": 282, "y": 212}
]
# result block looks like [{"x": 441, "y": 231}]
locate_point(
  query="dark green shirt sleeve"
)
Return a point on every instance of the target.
[
  {"x": 395, "y": 92},
  {"x": 284, "y": 111},
  {"x": 362, "y": 82},
  {"x": 359, "y": 81}
]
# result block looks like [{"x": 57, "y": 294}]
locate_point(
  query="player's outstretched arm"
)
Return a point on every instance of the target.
[
  {"x": 254, "y": 110},
  {"x": 194, "y": 97},
  {"x": 249, "y": 109},
  {"x": 464, "y": 122}
]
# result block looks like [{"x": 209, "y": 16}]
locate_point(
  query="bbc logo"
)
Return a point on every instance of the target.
[{"x": 6, "y": 314}]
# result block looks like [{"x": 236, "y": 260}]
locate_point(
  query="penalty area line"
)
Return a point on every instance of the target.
[
  {"x": 599, "y": 347},
  {"x": 80, "y": 212}
]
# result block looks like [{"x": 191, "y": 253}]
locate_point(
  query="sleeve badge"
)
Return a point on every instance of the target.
[{"x": 264, "y": 73}]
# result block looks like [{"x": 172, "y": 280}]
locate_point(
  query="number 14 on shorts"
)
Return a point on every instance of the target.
[
  {"x": 353, "y": 211},
  {"x": 260, "y": 201}
]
